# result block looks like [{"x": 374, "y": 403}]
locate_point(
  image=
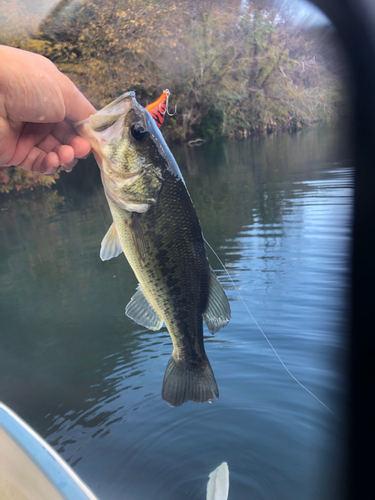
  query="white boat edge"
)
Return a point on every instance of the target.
[
  {"x": 31, "y": 468},
  {"x": 23, "y": 443}
]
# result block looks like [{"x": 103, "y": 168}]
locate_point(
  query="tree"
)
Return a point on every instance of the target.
[{"x": 233, "y": 67}]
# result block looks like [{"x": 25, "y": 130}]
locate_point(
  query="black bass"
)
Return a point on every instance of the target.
[{"x": 157, "y": 228}]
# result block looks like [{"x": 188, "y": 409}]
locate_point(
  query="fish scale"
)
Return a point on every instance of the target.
[{"x": 176, "y": 268}]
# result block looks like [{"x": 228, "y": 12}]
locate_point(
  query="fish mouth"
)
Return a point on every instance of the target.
[
  {"x": 120, "y": 107},
  {"x": 105, "y": 125},
  {"x": 116, "y": 108},
  {"x": 96, "y": 124}
]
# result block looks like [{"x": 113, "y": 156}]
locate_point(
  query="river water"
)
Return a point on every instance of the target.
[{"x": 277, "y": 210}]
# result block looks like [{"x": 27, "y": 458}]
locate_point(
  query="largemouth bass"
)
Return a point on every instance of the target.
[{"x": 157, "y": 228}]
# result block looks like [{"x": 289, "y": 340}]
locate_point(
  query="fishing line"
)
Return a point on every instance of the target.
[{"x": 264, "y": 335}]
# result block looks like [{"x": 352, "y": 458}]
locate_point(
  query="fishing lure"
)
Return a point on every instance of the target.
[{"x": 158, "y": 108}]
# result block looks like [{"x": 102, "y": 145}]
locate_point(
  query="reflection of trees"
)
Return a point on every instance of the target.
[
  {"x": 61, "y": 308},
  {"x": 66, "y": 347},
  {"x": 239, "y": 181}
]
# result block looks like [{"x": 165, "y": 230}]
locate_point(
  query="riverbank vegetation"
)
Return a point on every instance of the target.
[{"x": 233, "y": 68}]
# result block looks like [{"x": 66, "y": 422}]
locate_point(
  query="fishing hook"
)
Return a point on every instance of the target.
[{"x": 166, "y": 109}]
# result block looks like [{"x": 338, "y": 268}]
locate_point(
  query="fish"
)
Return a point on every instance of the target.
[{"x": 156, "y": 226}]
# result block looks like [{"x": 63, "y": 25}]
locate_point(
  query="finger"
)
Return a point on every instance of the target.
[
  {"x": 61, "y": 131},
  {"x": 66, "y": 134},
  {"x": 39, "y": 161},
  {"x": 68, "y": 167},
  {"x": 8, "y": 140},
  {"x": 50, "y": 143},
  {"x": 77, "y": 107},
  {"x": 50, "y": 164},
  {"x": 65, "y": 154},
  {"x": 66, "y": 157},
  {"x": 81, "y": 146},
  {"x": 30, "y": 136}
]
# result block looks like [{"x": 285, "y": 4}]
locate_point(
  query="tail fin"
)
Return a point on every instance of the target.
[{"x": 188, "y": 383}]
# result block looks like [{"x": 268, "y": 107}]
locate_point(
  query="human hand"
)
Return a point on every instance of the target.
[{"x": 37, "y": 107}]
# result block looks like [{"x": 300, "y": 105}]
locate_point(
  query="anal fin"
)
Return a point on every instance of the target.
[
  {"x": 217, "y": 313},
  {"x": 141, "y": 311}
]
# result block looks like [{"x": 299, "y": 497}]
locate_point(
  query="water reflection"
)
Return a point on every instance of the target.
[{"x": 278, "y": 212}]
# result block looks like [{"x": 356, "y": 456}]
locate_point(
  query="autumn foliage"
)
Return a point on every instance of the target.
[
  {"x": 233, "y": 68},
  {"x": 17, "y": 179}
]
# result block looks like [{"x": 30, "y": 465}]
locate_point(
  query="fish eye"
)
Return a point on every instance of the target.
[{"x": 139, "y": 133}]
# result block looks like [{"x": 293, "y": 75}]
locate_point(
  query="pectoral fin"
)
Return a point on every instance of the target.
[
  {"x": 138, "y": 237},
  {"x": 141, "y": 311},
  {"x": 217, "y": 313},
  {"x": 110, "y": 246}
]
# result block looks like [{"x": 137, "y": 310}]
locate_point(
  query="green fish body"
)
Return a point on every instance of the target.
[{"x": 157, "y": 228}]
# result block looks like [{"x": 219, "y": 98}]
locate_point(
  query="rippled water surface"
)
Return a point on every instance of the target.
[{"x": 277, "y": 210}]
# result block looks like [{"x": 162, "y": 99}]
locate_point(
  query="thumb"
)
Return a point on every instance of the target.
[{"x": 77, "y": 107}]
